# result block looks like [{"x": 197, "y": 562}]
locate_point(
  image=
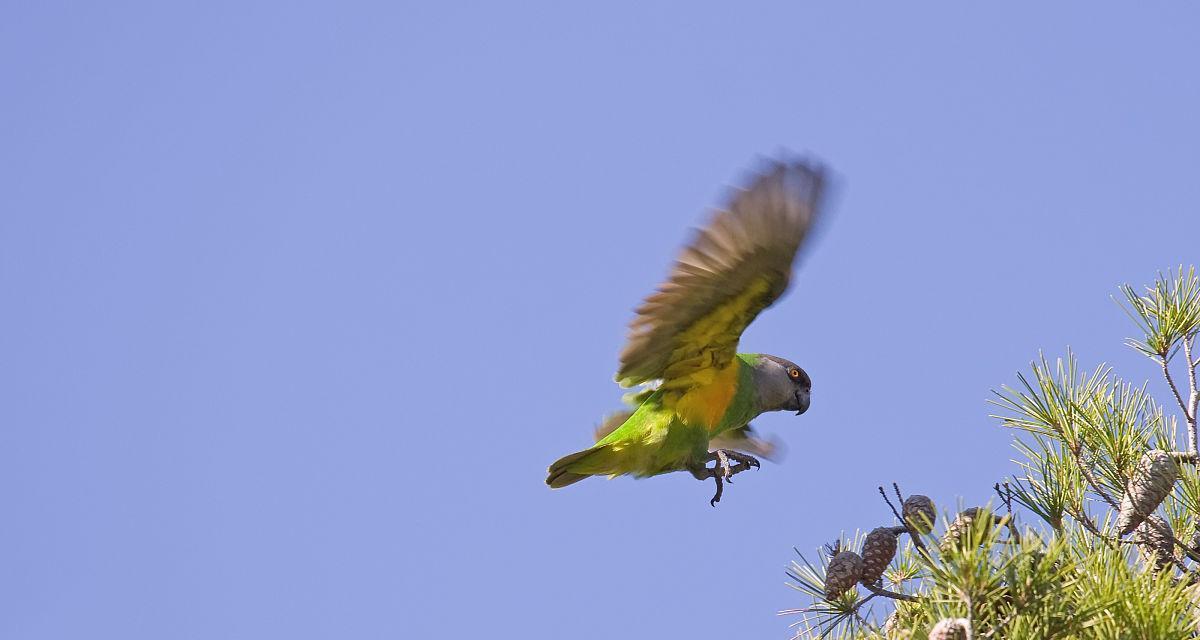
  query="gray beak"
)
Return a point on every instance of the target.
[{"x": 802, "y": 402}]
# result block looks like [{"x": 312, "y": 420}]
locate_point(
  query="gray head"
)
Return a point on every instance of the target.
[{"x": 781, "y": 385}]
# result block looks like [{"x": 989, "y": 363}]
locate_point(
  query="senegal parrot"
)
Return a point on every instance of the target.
[{"x": 701, "y": 394}]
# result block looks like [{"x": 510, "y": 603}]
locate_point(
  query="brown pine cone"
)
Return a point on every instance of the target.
[
  {"x": 1156, "y": 541},
  {"x": 918, "y": 512},
  {"x": 878, "y": 550},
  {"x": 962, "y": 525},
  {"x": 1152, "y": 480},
  {"x": 842, "y": 573},
  {"x": 951, "y": 629}
]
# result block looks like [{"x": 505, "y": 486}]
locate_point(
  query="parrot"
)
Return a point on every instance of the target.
[{"x": 699, "y": 393}]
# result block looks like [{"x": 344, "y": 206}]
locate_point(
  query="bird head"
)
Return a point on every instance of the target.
[{"x": 781, "y": 385}]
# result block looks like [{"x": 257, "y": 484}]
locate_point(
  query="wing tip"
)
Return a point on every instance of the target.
[{"x": 785, "y": 192}]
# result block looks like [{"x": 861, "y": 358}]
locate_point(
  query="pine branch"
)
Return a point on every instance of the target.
[
  {"x": 1188, "y": 413},
  {"x": 1166, "y": 369},
  {"x": 1090, "y": 431},
  {"x": 1193, "y": 395},
  {"x": 880, "y": 591}
]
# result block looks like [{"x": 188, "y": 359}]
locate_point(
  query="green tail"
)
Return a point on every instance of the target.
[{"x": 574, "y": 467}]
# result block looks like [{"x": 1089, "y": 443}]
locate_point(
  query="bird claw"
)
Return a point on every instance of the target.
[
  {"x": 716, "y": 498},
  {"x": 723, "y": 471}
]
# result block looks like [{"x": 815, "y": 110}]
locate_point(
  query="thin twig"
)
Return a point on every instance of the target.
[
  {"x": 1005, "y": 495},
  {"x": 1087, "y": 523},
  {"x": 834, "y": 548},
  {"x": 890, "y": 505},
  {"x": 1162, "y": 361},
  {"x": 1009, "y": 520},
  {"x": 1010, "y": 523},
  {"x": 1077, "y": 453},
  {"x": 880, "y": 591}
]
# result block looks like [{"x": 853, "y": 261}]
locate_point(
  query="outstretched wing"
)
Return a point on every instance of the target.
[{"x": 733, "y": 269}]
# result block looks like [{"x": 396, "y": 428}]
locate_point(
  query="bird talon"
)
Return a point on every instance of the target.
[
  {"x": 720, "y": 488},
  {"x": 722, "y": 471}
]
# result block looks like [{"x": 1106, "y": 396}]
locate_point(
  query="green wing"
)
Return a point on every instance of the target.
[{"x": 734, "y": 268}]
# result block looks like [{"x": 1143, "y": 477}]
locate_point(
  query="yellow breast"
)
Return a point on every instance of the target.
[{"x": 706, "y": 404}]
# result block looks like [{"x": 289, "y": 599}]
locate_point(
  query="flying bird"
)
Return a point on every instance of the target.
[{"x": 699, "y": 393}]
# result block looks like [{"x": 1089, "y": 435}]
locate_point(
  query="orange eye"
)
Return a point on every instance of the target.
[{"x": 794, "y": 373}]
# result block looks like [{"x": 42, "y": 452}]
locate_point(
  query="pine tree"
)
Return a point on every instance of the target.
[{"x": 1096, "y": 534}]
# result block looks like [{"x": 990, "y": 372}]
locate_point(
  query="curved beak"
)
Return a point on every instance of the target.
[{"x": 802, "y": 402}]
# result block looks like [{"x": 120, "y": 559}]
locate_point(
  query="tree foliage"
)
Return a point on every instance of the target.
[{"x": 1095, "y": 535}]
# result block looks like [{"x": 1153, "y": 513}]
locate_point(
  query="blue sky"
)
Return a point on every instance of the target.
[{"x": 301, "y": 299}]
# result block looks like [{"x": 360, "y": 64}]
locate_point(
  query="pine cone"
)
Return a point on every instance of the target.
[
  {"x": 842, "y": 574},
  {"x": 963, "y": 524},
  {"x": 878, "y": 550},
  {"x": 1156, "y": 541},
  {"x": 951, "y": 629},
  {"x": 919, "y": 513},
  {"x": 1151, "y": 482}
]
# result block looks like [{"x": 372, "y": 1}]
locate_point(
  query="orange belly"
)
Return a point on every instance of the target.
[{"x": 706, "y": 404}]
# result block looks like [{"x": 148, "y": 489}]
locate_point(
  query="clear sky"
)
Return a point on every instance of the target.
[{"x": 299, "y": 300}]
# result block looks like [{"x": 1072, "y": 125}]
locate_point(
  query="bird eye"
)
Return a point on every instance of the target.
[{"x": 794, "y": 373}]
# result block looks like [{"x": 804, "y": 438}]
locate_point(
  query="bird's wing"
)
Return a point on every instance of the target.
[{"x": 734, "y": 268}]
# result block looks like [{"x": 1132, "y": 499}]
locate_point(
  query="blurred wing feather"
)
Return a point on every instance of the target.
[
  {"x": 745, "y": 439},
  {"x": 733, "y": 269},
  {"x": 610, "y": 424}
]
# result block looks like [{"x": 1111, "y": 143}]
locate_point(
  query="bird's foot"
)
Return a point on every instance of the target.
[
  {"x": 742, "y": 462},
  {"x": 723, "y": 470}
]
